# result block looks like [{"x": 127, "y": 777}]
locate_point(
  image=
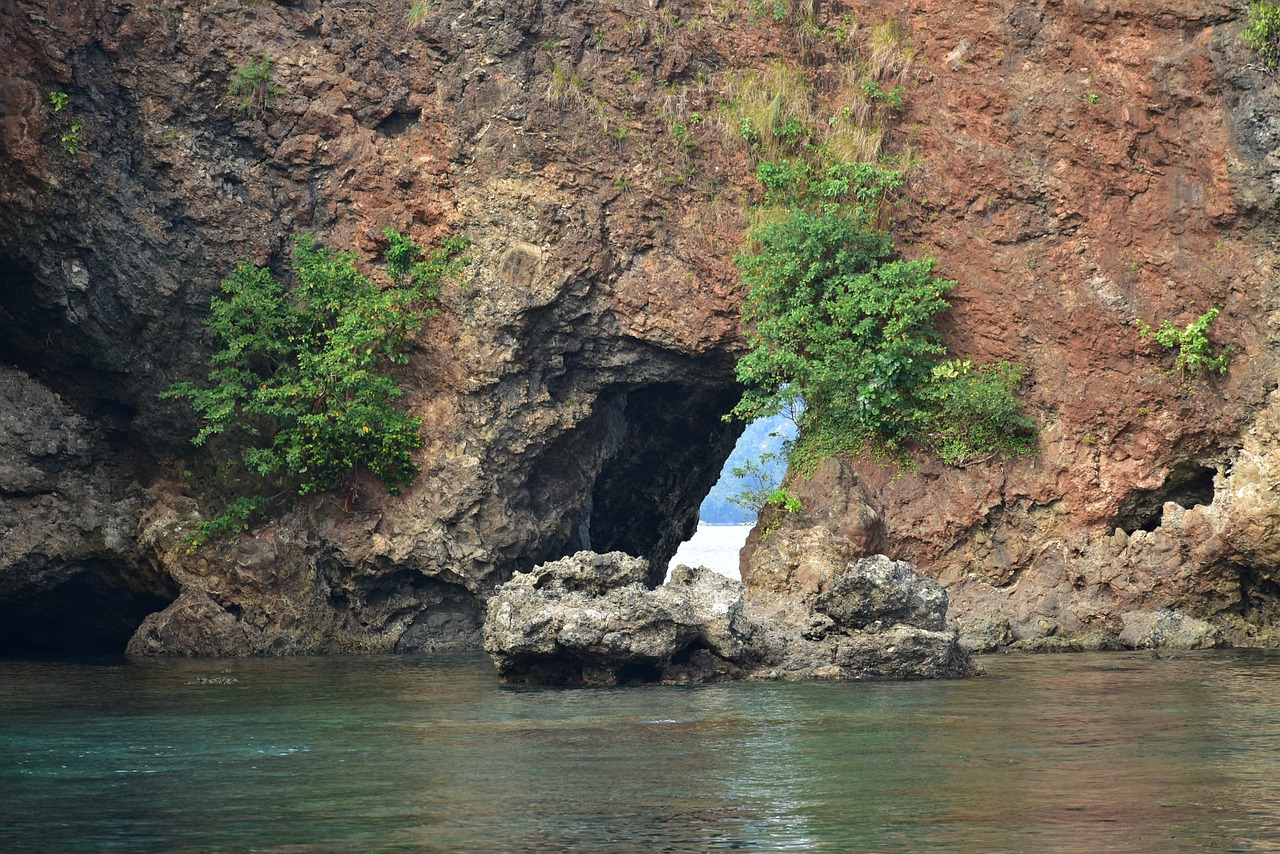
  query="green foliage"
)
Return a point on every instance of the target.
[
  {"x": 780, "y": 497},
  {"x": 418, "y": 12},
  {"x": 891, "y": 98},
  {"x": 757, "y": 482},
  {"x": 1263, "y": 32},
  {"x": 236, "y": 518},
  {"x": 843, "y": 332},
  {"x": 970, "y": 411},
  {"x": 792, "y": 131},
  {"x": 301, "y": 380},
  {"x": 58, "y": 100},
  {"x": 1192, "y": 343},
  {"x": 855, "y": 191},
  {"x": 71, "y": 139},
  {"x": 785, "y": 502},
  {"x": 253, "y": 87}
]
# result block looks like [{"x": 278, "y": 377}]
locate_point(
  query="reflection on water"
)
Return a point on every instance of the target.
[{"x": 1079, "y": 753}]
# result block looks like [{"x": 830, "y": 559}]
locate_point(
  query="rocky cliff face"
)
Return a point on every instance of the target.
[
  {"x": 1087, "y": 166},
  {"x": 1080, "y": 166}
]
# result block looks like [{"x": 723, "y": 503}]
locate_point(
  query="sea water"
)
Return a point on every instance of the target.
[
  {"x": 714, "y": 546},
  {"x": 1076, "y": 753}
]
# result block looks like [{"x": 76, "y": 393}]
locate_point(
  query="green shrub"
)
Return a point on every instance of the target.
[
  {"x": 968, "y": 412},
  {"x": 1263, "y": 32},
  {"x": 1192, "y": 343},
  {"x": 842, "y": 332},
  {"x": 301, "y": 380},
  {"x": 781, "y": 497},
  {"x": 253, "y": 87},
  {"x": 757, "y": 481}
]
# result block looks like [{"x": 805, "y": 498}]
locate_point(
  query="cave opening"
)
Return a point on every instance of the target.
[
  {"x": 87, "y": 609},
  {"x": 671, "y": 441},
  {"x": 1189, "y": 484},
  {"x": 756, "y": 467}
]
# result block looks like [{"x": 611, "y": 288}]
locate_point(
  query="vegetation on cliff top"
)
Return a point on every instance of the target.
[
  {"x": 837, "y": 321},
  {"x": 842, "y": 331},
  {"x": 301, "y": 383}
]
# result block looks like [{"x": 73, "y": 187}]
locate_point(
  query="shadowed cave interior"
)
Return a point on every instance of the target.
[
  {"x": 90, "y": 610},
  {"x": 1188, "y": 484}
]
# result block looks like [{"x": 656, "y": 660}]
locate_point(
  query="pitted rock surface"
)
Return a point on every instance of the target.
[{"x": 589, "y": 620}]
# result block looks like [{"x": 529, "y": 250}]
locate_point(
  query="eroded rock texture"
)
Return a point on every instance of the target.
[
  {"x": 589, "y": 619},
  {"x": 1086, "y": 166},
  {"x": 572, "y": 393},
  {"x": 1080, "y": 166}
]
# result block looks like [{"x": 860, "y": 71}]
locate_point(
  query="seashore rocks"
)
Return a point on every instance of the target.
[
  {"x": 589, "y": 619},
  {"x": 571, "y": 396},
  {"x": 1166, "y": 629}
]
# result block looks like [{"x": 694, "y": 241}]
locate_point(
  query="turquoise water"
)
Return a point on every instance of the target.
[{"x": 1087, "y": 753}]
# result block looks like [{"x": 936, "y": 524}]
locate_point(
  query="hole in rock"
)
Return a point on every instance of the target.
[
  {"x": 1188, "y": 484},
  {"x": 86, "y": 607},
  {"x": 668, "y": 441},
  {"x": 397, "y": 123},
  {"x": 639, "y": 672},
  {"x": 729, "y": 511}
]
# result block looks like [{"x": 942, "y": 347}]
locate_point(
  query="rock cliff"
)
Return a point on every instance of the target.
[
  {"x": 1080, "y": 166},
  {"x": 1086, "y": 166}
]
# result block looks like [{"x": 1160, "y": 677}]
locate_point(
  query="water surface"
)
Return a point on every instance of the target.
[
  {"x": 1084, "y": 753},
  {"x": 715, "y": 547}
]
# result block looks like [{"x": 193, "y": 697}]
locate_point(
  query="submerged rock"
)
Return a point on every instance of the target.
[{"x": 588, "y": 619}]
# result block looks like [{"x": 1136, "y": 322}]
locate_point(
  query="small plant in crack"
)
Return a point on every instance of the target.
[
  {"x": 253, "y": 87},
  {"x": 71, "y": 139},
  {"x": 1195, "y": 351}
]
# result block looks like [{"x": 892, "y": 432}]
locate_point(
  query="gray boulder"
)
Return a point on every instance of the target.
[
  {"x": 588, "y": 619},
  {"x": 903, "y": 653},
  {"x": 985, "y": 632},
  {"x": 1166, "y": 629},
  {"x": 878, "y": 592}
]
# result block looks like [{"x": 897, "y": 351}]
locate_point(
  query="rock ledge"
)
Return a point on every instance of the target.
[{"x": 589, "y": 619}]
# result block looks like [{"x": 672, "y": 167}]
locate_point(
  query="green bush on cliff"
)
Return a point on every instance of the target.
[
  {"x": 842, "y": 331},
  {"x": 1195, "y": 351},
  {"x": 301, "y": 381},
  {"x": 253, "y": 87},
  {"x": 1263, "y": 32}
]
